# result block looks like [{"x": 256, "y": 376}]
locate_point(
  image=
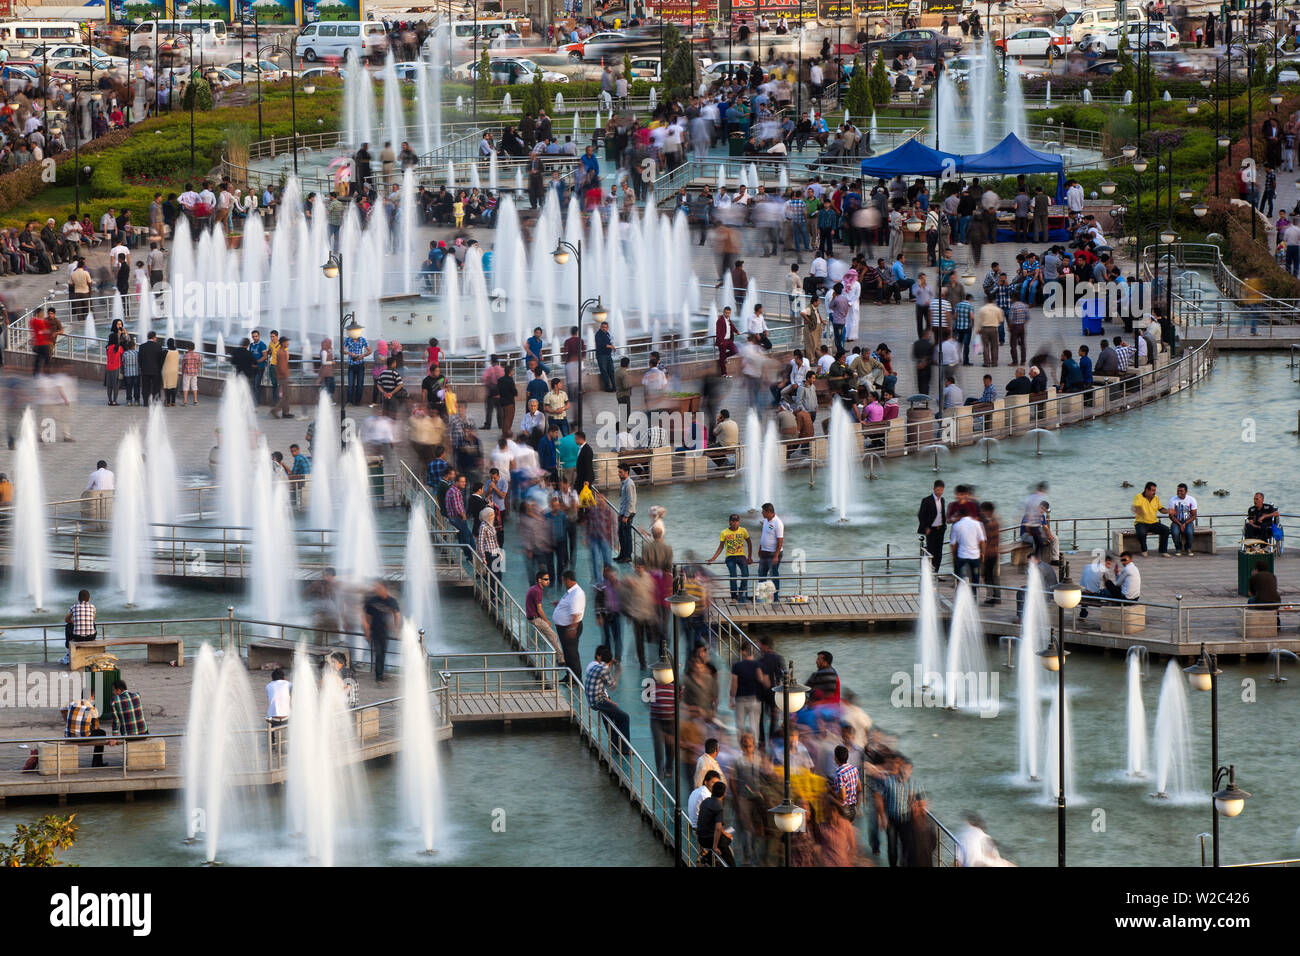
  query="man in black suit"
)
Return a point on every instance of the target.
[
  {"x": 586, "y": 470},
  {"x": 151, "y": 359},
  {"x": 931, "y": 520}
]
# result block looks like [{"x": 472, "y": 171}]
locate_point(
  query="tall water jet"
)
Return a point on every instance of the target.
[
  {"x": 324, "y": 464},
  {"x": 323, "y": 780},
  {"x": 1171, "y": 749},
  {"x": 234, "y": 451},
  {"x": 842, "y": 452},
  {"x": 160, "y": 461},
  {"x": 221, "y": 743},
  {"x": 1135, "y": 716},
  {"x": 357, "y": 555},
  {"x": 418, "y": 761},
  {"x": 1034, "y": 630},
  {"x": 771, "y": 455},
  {"x": 753, "y": 460},
  {"x": 273, "y": 569},
  {"x": 966, "y": 674},
  {"x": 130, "y": 535},
  {"x": 929, "y": 640},
  {"x": 31, "y": 573},
  {"x": 420, "y": 591}
]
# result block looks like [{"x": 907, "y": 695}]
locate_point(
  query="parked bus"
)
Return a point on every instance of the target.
[{"x": 20, "y": 37}]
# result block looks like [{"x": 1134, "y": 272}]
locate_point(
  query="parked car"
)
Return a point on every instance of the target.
[
  {"x": 225, "y": 76},
  {"x": 1035, "y": 41},
  {"x": 715, "y": 71},
  {"x": 62, "y": 51},
  {"x": 80, "y": 68},
  {"x": 920, "y": 42},
  {"x": 1094, "y": 21},
  {"x": 1156, "y": 36},
  {"x": 511, "y": 70},
  {"x": 647, "y": 68}
]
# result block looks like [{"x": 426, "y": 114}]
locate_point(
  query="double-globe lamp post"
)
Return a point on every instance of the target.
[
  {"x": 349, "y": 327},
  {"x": 1066, "y": 594},
  {"x": 1228, "y": 801},
  {"x": 682, "y": 605},
  {"x": 561, "y": 256}
]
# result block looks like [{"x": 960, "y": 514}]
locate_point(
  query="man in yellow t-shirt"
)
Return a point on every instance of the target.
[
  {"x": 736, "y": 541},
  {"x": 1146, "y": 519}
]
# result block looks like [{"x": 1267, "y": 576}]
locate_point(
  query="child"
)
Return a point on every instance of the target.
[{"x": 458, "y": 210}]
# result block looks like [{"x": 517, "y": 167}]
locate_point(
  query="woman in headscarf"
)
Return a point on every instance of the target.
[
  {"x": 853, "y": 293},
  {"x": 325, "y": 370}
]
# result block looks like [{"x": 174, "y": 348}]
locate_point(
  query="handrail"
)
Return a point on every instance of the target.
[{"x": 957, "y": 427}]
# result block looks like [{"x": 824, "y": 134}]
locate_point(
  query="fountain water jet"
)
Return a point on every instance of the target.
[{"x": 31, "y": 575}]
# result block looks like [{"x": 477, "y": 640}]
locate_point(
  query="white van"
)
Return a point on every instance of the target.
[
  {"x": 154, "y": 35},
  {"x": 342, "y": 39},
  {"x": 1094, "y": 21},
  {"x": 20, "y": 37}
]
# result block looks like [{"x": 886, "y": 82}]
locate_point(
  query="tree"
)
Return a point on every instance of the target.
[
  {"x": 197, "y": 91},
  {"x": 678, "y": 64},
  {"x": 858, "y": 98},
  {"x": 483, "y": 77},
  {"x": 627, "y": 67},
  {"x": 881, "y": 91},
  {"x": 38, "y": 845},
  {"x": 533, "y": 99}
]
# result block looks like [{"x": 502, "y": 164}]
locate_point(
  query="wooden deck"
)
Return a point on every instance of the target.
[
  {"x": 509, "y": 706},
  {"x": 827, "y": 609},
  {"x": 1202, "y": 580}
]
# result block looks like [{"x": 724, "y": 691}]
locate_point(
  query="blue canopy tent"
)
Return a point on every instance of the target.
[
  {"x": 1012, "y": 156},
  {"x": 913, "y": 158}
]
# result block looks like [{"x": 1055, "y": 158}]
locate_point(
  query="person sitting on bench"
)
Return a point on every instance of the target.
[
  {"x": 1262, "y": 587},
  {"x": 1127, "y": 585},
  {"x": 1260, "y": 518},
  {"x": 83, "y": 721}
]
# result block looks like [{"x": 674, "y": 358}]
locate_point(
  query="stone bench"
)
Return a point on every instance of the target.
[
  {"x": 149, "y": 753},
  {"x": 161, "y": 650},
  {"x": 1121, "y": 618},
  {"x": 1202, "y": 541},
  {"x": 1259, "y": 623},
  {"x": 274, "y": 650}
]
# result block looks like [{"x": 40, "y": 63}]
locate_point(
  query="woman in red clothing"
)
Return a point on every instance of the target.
[{"x": 112, "y": 370}]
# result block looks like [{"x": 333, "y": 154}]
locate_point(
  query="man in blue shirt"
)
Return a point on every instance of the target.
[
  {"x": 590, "y": 164},
  {"x": 537, "y": 386},
  {"x": 355, "y": 352},
  {"x": 258, "y": 348},
  {"x": 901, "y": 280},
  {"x": 533, "y": 346},
  {"x": 1085, "y": 367},
  {"x": 546, "y": 457}
]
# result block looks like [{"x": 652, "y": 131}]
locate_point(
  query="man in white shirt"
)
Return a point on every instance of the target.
[
  {"x": 699, "y": 795},
  {"x": 1127, "y": 585},
  {"x": 188, "y": 198},
  {"x": 708, "y": 762},
  {"x": 771, "y": 542},
  {"x": 1074, "y": 199},
  {"x": 968, "y": 545},
  {"x": 952, "y": 396},
  {"x": 654, "y": 381},
  {"x": 207, "y": 197},
  {"x": 101, "y": 479},
  {"x": 118, "y": 250},
  {"x": 567, "y": 619},
  {"x": 1182, "y": 520},
  {"x": 825, "y": 362},
  {"x": 278, "y": 698},
  {"x": 757, "y": 325}
]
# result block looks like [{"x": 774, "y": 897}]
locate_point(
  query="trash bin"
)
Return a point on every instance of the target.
[
  {"x": 1247, "y": 564},
  {"x": 98, "y": 686},
  {"x": 736, "y": 143}
]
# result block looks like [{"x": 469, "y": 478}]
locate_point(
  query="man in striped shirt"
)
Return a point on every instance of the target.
[
  {"x": 83, "y": 721},
  {"x": 455, "y": 510},
  {"x": 1123, "y": 355},
  {"x": 846, "y": 784},
  {"x": 894, "y": 805},
  {"x": 963, "y": 324},
  {"x": 597, "y": 682},
  {"x": 661, "y": 726}
]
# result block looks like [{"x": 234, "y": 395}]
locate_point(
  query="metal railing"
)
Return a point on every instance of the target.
[{"x": 918, "y": 431}]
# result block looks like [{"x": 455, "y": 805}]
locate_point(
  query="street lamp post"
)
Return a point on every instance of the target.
[
  {"x": 1203, "y": 675},
  {"x": 1066, "y": 594},
  {"x": 799, "y": 74},
  {"x": 349, "y": 327},
  {"x": 561, "y": 257},
  {"x": 682, "y": 605},
  {"x": 1250, "y": 126},
  {"x": 475, "y": 66},
  {"x": 788, "y": 816},
  {"x": 293, "y": 104}
]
